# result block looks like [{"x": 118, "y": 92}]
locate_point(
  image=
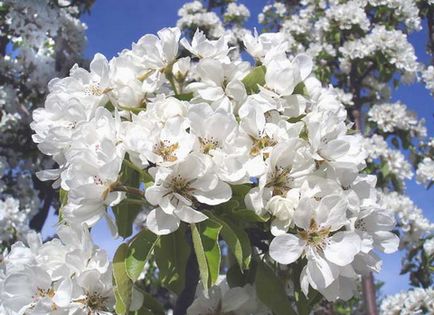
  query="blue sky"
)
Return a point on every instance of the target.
[{"x": 113, "y": 25}]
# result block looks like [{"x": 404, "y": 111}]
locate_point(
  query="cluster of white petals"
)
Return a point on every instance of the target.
[
  {"x": 33, "y": 27},
  {"x": 222, "y": 299},
  {"x": 392, "y": 44},
  {"x": 14, "y": 223},
  {"x": 276, "y": 8},
  {"x": 236, "y": 12},
  {"x": 428, "y": 78},
  {"x": 412, "y": 222},
  {"x": 391, "y": 117},
  {"x": 346, "y": 15},
  {"x": 425, "y": 171},
  {"x": 415, "y": 301},
  {"x": 66, "y": 275},
  {"x": 193, "y": 15},
  {"x": 198, "y": 127},
  {"x": 428, "y": 246},
  {"x": 377, "y": 148}
]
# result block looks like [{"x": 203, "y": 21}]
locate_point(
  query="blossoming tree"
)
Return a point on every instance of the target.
[
  {"x": 361, "y": 47},
  {"x": 253, "y": 190},
  {"x": 38, "y": 41}
]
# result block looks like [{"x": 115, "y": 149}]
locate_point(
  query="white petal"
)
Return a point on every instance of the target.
[
  {"x": 305, "y": 65},
  {"x": 189, "y": 215},
  {"x": 286, "y": 248},
  {"x": 321, "y": 273},
  {"x": 388, "y": 242},
  {"x": 160, "y": 223},
  {"x": 63, "y": 294},
  {"x": 342, "y": 247},
  {"x": 221, "y": 193}
]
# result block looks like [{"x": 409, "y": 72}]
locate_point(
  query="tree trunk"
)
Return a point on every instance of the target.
[{"x": 369, "y": 295}]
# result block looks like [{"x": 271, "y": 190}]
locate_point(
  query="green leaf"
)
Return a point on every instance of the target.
[
  {"x": 63, "y": 200},
  {"x": 152, "y": 304},
  {"x": 126, "y": 212},
  {"x": 171, "y": 254},
  {"x": 139, "y": 252},
  {"x": 122, "y": 283},
  {"x": 200, "y": 256},
  {"x": 205, "y": 242},
  {"x": 234, "y": 277},
  {"x": 297, "y": 118},
  {"x": 271, "y": 291},
  {"x": 385, "y": 169},
  {"x": 249, "y": 215},
  {"x": 300, "y": 89},
  {"x": 255, "y": 78},
  {"x": 184, "y": 96},
  {"x": 240, "y": 190},
  {"x": 237, "y": 240}
]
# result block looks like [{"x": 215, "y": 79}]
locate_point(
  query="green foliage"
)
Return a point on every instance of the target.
[
  {"x": 184, "y": 96},
  {"x": 150, "y": 306},
  {"x": 271, "y": 291},
  {"x": 171, "y": 255},
  {"x": 127, "y": 211},
  {"x": 255, "y": 78},
  {"x": 205, "y": 237},
  {"x": 236, "y": 239},
  {"x": 139, "y": 252},
  {"x": 122, "y": 283}
]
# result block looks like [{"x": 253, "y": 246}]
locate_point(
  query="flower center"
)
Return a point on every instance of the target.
[
  {"x": 280, "y": 181},
  {"x": 315, "y": 236},
  {"x": 166, "y": 150},
  {"x": 96, "y": 302},
  {"x": 208, "y": 144},
  {"x": 94, "y": 90},
  {"x": 360, "y": 225},
  {"x": 260, "y": 144},
  {"x": 45, "y": 293},
  {"x": 180, "y": 186}
]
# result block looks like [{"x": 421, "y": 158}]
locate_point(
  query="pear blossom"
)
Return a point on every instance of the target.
[
  {"x": 318, "y": 239},
  {"x": 179, "y": 190},
  {"x": 184, "y": 137}
]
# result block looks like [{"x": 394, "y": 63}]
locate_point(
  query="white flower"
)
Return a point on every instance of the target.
[
  {"x": 428, "y": 246},
  {"x": 203, "y": 48},
  {"x": 221, "y": 299},
  {"x": 425, "y": 171},
  {"x": 282, "y": 75},
  {"x": 178, "y": 189},
  {"x": 158, "y": 52},
  {"x": 282, "y": 210},
  {"x": 319, "y": 240}
]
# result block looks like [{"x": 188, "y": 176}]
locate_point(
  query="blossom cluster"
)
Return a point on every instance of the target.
[
  {"x": 413, "y": 224},
  {"x": 425, "y": 171},
  {"x": 392, "y": 44},
  {"x": 377, "y": 148},
  {"x": 14, "y": 223},
  {"x": 35, "y": 27},
  {"x": 428, "y": 78},
  {"x": 199, "y": 126},
  {"x": 66, "y": 275},
  {"x": 390, "y": 117},
  {"x": 415, "y": 301},
  {"x": 193, "y": 15}
]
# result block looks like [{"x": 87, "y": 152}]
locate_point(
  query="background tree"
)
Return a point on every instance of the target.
[{"x": 39, "y": 40}]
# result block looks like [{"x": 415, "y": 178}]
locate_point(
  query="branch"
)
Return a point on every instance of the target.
[
  {"x": 37, "y": 222},
  {"x": 369, "y": 295}
]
